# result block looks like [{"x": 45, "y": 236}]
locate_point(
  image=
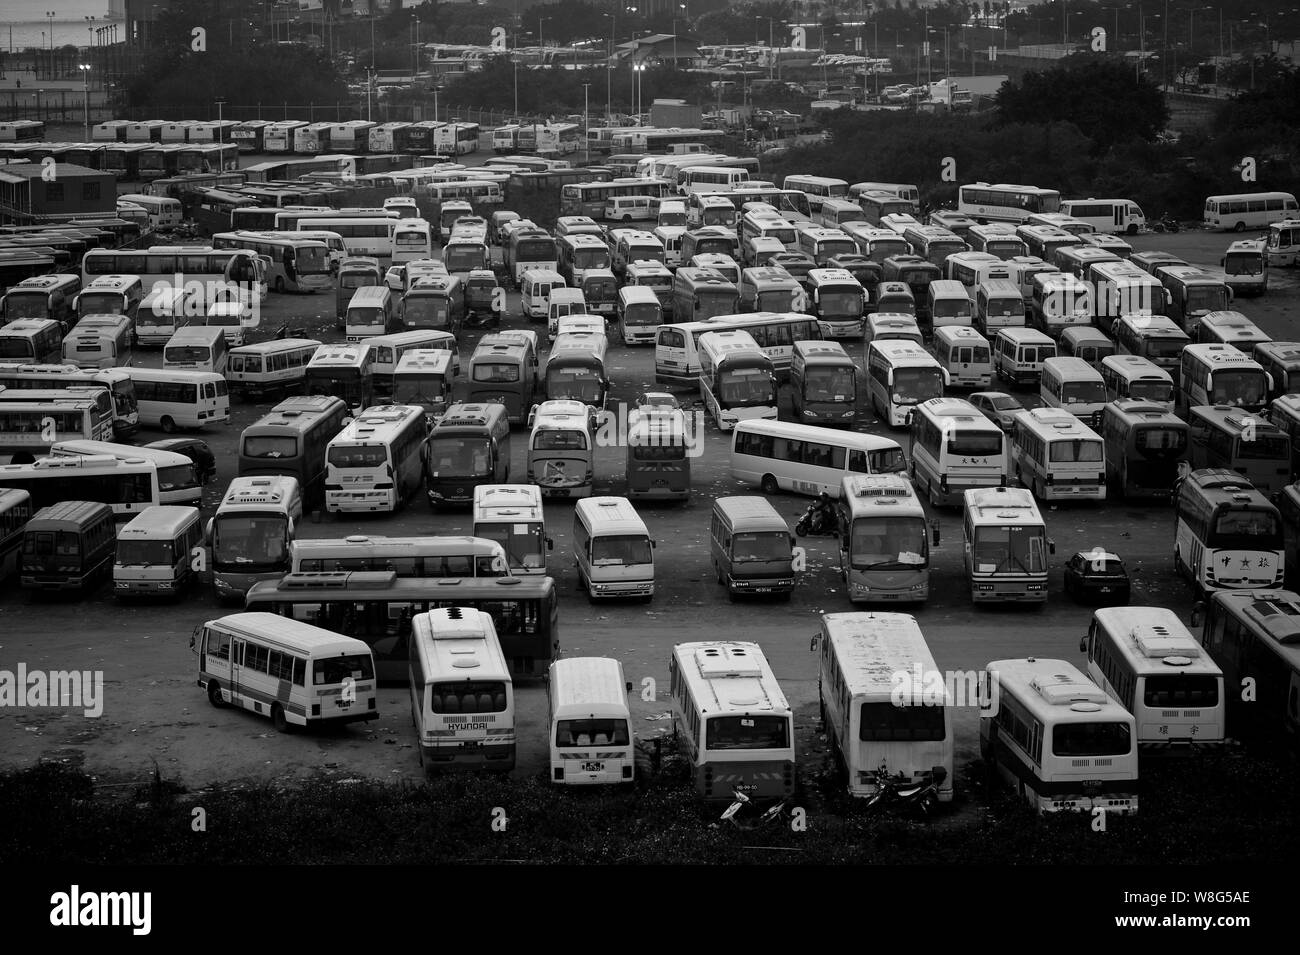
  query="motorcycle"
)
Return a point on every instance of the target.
[
  {"x": 899, "y": 792},
  {"x": 1165, "y": 223},
  {"x": 482, "y": 319},
  {"x": 820, "y": 520},
  {"x": 741, "y": 813}
]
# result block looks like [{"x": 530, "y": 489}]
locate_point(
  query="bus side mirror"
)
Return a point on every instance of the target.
[
  {"x": 550, "y": 544},
  {"x": 934, "y": 533},
  {"x": 816, "y": 639},
  {"x": 1051, "y": 546},
  {"x": 1230, "y": 295},
  {"x": 1083, "y": 644},
  {"x": 292, "y": 525},
  {"x": 628, "y": 686},
  {"x": 207, "y": 530},
  {"x": 1223, "y": 261},
  {"x": 1198, "y": 609}
]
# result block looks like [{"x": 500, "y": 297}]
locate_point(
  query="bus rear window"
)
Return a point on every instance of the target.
[
  {"x": 337, "y": 669},
  {"x": 358, "y": 455},
  {"x": 270, "y": 447},
  {"x": 747, "y": 732},
  {"x": 1091, "y": 739},
  {"x": 591, "y": 733},
  {"x": 1181, "y": 692},
  {"x": 975, "y": 445},
  {"x": 480, "y": 696},
  {"x": 885, "y": 722}
]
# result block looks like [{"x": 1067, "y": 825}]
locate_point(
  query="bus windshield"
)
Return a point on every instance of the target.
[
  {"x": 560, "y": 441},
  {"x": 885, "y": 722},
  {"x": 591, "y": 732},
  {"x": 523, "y": 543},
  {"x": 711, "y": 217},
  {"x": 418, "y": 389},
  {"x": 464, "y": 258},
  {"x": 1264, "y": 447},
  {"x": 1181, "y": 691},
  {"x": 1010, "y": 549},
  {"x": 642, "y": 316},
  {"x": 26, "y": 305},
  {"x": 781, "y": 300},
  {"x": 760, "y": 546},
  {"x": 427, "y": 311},
  {"x": 716, "y": 245},
  {"x": 1083, "y": 392},
  {"x": 829, "y": 384},
  {"x": 624, "y": 549},
  {"x": 591, "y": 259},
  {"x": 746, "y": 387},
  {"x": 884, "y": 461},
  {"x": 495, "y": 371},
  {"x": 1210, "y": 299},
  {"x": 144, "y": 553},
  {"x": 1091, "y": 739},
  {"x": 1157, "y": 442},
  {"x": 100, "y": 303},
  {"x": 1243, "y": 263},
  {"x": 311, "y": 260},
  {"x": 1242, "y": 388},
  {"x": 250, "y": 540},
  {"x": 453, "y": 457},
  {"x": 888, "y": 543},
  {"x": 746, "y": 732},
  {"x": 356, "y": 280},
  {"x": 846, "y": 302},
  {"x": 1152, "y": 390},
  {"x": 187, "y": 353},
  {"x": 1163, "y": 347},
  {"x": 60, "y": 543},
  {"x": 15, "y": 348},
  {"x": 270, "y": 446},
  {"x": 1075, "y": 451},
  {"x": 374, "y": 317},
  {"x": 913, "y": 385}
]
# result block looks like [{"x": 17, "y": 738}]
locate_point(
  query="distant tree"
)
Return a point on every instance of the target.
[{"x": 1101, "y": 97}]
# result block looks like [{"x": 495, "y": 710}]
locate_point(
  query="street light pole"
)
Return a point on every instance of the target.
[
  {"x": 85, "y": 97},
  {"x": 586, "y": 122}
]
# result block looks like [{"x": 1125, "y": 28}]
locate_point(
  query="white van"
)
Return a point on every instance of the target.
[
  {"x": 233, "y": 318},
  {"x": 591, "y": 738},
  {"x": 561, "y": 302},
  {"x": 536, "y": 288},
  {"x": 883, "y": 326},
  {"x": 613, "y": 549},
  {"x": 1073, "y": 384},
  {"x": 627, "y": 208},
  {"x": 197, "y": 348}
]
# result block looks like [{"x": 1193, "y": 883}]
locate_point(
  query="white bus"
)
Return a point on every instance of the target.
[
  {"x": 1005, "y": 203},
  {"x": 859, "y": 658},
  {"x": 278, "y": 366},
  {"x": 561, "y": 448},
  {"x": 375, "y": 462},
  {"x": 297, "y": 264},
  {"x": 126, "y": 415},
  {"x": 1059, "y": 740},
  {"x": 171, "y": 399},
  {"x": 386, "y": 353},
  {"x": 127, "y": 486},
  {"x": 511, "y": 515},
  {"x": 154, "y": 555},
  {"x": 732, "y": 719},
  {"x": 1074, "y": 385},
  {"x": 900, "y": 375},
  {"x": 1148, "y": 662},
  {"x": 677, "y": 356},
  {"x": 1057, "y": 456},
  {"x": 955, "y": 448},
  {"x": 1107, "y": 215},
  {"x": 883, "y": 541},
  {"x": 780, "y": 456},
  {"x": 412, "y": 557},
  {"x": 965, "y": 355},
  {"x": 252, "y": 531},
  {"x": 297, "y": 674},
  {"x": 342, "y": 371},
  {"x": 737, "y": 381},
  {"x": 1221, "y": 375},
  {"x": 178, "y": 478},
  {"x": 462, "y": 698},
  {"x": 363, "y": 235},
  {"x": 591, "y": 735},
  {"x": 164, "y": 212},
  {"x": 1006, "y": 546},
  {"x": 29, "y": 427},
  {"x": 456, "y": 139},
  {"x": 1250, "y": 210},
  {"x": 412, "y": 240},
  {"x": 1227, "y": 535},
  {"x": 817, "y": 189}
]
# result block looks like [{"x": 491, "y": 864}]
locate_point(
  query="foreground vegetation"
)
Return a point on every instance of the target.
[{"x": 1217, "y": 809}]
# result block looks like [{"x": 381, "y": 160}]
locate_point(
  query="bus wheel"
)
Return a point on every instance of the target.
[
  {"x": 769, "y": 485},
  {"x": 1239, "y": 227},
  {"x": 278, "y": 720},
  {"x": 214, "y": 694},
  {"x": 1132, "y": 228},
  {"x": 168, "y": 425}
]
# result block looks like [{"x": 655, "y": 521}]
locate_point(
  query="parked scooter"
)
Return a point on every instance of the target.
[{"x": 898, "y": 792}]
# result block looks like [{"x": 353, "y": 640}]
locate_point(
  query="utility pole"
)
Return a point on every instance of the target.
[{"x": 586, "y": 123}]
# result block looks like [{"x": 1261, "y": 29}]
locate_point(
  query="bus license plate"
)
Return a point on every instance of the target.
[
  {"x": 593, "y": 767},
  {"x": 762, "y": 590},
  {"x": 470, "y": 744},
  {"x": 559, "y": 492}
]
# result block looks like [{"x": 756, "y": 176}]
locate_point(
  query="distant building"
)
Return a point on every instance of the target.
[
  {"x": 659, "y": 47},
  {"x": 32, "y": 192}
]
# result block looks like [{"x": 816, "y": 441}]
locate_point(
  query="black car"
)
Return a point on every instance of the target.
[
  {"x": 1097, "y": 576},
  {"x": 205, "y": 462}
]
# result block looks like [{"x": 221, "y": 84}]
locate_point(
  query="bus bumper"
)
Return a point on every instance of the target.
[
  {"x": 464, "y": 756},
  {"x": 759, "y": 585},
  {"x": 829, "y": 417},
  {"x": 146, "y": 588},
  {"x": 758, "y": 779},
  {"x": 622, "y": 588},
  {"x": 451, "y": 495},
  {"x": 1018, "y": 592},
  {"x": 358, "y": 502},
  {"x": 865, "y": 593}
]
